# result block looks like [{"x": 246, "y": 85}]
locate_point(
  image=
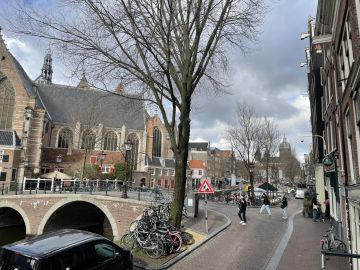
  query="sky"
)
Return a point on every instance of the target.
[{"x": 269, "y": 78}]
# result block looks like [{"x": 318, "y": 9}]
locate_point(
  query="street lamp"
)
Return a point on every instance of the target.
[
  {"x": 318, "y": 136},
  {"x": 102, "y": 157},
  {"x": 128, "y": 147}
]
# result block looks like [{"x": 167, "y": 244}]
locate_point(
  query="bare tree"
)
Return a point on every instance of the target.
[
  {"x": 270, "y": 138},
  {"x": 165, "y": 48},
  {"x": 245, "y": 137}
]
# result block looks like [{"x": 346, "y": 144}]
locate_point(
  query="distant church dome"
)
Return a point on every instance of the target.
[{"x": 284, "y": 144}]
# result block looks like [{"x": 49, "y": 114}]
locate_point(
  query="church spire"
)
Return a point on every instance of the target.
[{"x": 46, "y": 71}]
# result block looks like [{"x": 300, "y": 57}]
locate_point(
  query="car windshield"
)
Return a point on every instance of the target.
[{"x": 10, "y": 260}]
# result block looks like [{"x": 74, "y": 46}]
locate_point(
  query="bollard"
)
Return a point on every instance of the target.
[
  {"x": 44, "y": 187},
  {"x": 16, "y": 187},
  {"x": 22, "y": 187},
  {"x": 2, "y": 189},
  {"x": 106, "y": 188},
  {"x": 30, "y": 187}
]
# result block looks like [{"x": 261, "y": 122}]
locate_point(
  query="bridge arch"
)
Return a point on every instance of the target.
[
  {"x": 22, "y": 213},
  {"x": 69, "y": 200}
]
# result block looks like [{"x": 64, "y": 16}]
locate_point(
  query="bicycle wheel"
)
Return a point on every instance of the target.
[
  {"x": 187, "y": 238},
  {"x": 128, "y": 241},
  {"x": 339, "y": 245},
  {"x": 154, "y": 247},
  {"x": 176, "y": 240}
]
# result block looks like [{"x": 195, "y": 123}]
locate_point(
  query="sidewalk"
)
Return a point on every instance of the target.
[
  {"x": 196, "y": 226},
  {"x": 303, "y": 248}
]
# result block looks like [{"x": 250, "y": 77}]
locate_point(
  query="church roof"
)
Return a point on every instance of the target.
[
  {"x": 198, "y": 146},
  {"x": 27, "y": 82},
  {"x": 64, "y": 104}
]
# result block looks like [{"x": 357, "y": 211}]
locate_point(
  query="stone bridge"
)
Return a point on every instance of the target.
[{"x": 109, "y": 216}]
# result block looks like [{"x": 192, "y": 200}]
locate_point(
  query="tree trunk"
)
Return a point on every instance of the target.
[
  {"x": 83, "y": 167},
  {"x": 181, "y": 155}
]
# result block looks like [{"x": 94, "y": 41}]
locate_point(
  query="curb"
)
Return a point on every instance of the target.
[{"x": 186, "y": 253}]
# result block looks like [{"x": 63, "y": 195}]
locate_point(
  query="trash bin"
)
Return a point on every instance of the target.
[{"x": 192, "y": 203}]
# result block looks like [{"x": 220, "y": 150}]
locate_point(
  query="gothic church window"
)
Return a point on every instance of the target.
[
  {"x": 65, "y": 138},
  {"x": 156, "y": 150},
  {"x": 7, "y": 102},
  {"x": 110, "y": 141},
  {"x": 88, "y": 140}
]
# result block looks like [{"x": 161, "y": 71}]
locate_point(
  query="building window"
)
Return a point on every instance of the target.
[
  {"x": 158, "y": 171},
  {"x": 13, "y": 174},
  {"x": 88, "y": 140},
  {"x": 349, "y": 144},
  {"x": 157, "y": 137},
  {"x": 346, "y": 57},
  {"x": 152, "y": 185},
  {"x": 106, "y": 169},
  {"x": 152, "y": 171},
  {"x": 110, "y": 141},
  {"x": 93, "y": 160},
  {"x": 200, "y": 172},
  {"x": 65, "y": 138},
  {"x": 3, "y": 176},
  {"x": 7, "y": 102},
  {"x": 2, "y": 152}
]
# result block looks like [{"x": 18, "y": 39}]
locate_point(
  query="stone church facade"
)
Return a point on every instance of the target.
[{"x": 47, "y": 127}]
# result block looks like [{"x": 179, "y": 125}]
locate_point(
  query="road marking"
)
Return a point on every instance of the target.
[{"x": 275, "y": 259}]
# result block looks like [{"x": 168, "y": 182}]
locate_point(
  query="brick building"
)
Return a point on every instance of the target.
[
  {"x": 61, "y": 127},
  {"x": 334, "y": 85}
]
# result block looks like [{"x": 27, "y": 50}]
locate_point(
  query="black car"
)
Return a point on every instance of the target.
[{"x": 65, "y": 250}]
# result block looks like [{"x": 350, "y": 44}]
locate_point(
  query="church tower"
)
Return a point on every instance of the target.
[
  {"x": 46, "y": 70},
  {"x": 284, "y": 149}
]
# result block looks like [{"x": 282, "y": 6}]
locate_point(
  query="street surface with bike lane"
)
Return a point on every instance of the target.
[{"x": 266, "y": 242}]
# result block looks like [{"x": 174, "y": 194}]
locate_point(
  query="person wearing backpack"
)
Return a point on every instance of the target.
[{"x": 284, "y": 205}]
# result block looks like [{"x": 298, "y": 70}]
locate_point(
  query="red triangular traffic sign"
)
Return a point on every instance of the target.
[{"x": 205, "y": 188}]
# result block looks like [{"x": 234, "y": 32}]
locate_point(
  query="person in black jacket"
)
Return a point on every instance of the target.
[
  {"x": 266, "y": 204},
  {"x": 284, "y": 205},
  {"x": 242, "y": 210}
]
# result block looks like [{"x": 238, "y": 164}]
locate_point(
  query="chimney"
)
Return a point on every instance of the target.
[{"x": 83, "y": 83}]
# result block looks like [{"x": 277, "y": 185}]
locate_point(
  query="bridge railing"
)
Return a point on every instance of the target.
[{"x": 46, "y": 185}]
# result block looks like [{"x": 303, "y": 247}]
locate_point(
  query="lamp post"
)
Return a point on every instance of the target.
[
  {"x": 128, "y": 147},
  {"x": 102, "y": 158}
]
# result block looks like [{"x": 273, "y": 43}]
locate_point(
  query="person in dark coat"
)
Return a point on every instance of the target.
[
  {"x": 284, "y": 205},
  {"x": 266, "y": 204},
  {"x": 242, "y": 210}
]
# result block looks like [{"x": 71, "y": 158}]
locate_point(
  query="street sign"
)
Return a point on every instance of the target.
[{"x": 205, "y": 188}]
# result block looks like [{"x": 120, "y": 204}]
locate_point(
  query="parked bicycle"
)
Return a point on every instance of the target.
[{"x": 330, "y": 243}]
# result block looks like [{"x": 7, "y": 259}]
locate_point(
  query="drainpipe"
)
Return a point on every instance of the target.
[{"x": 347, "y": 204}]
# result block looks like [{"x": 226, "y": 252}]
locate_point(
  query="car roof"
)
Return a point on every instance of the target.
[{"x": 46, "y": 244}]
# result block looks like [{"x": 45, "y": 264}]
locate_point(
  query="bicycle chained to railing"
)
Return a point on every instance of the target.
[{"x": 154, "y": 234}]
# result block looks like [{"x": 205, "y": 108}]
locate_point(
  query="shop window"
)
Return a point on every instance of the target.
[{"x": 3, "y": 176}]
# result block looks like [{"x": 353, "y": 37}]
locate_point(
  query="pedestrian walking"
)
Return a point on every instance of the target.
[
  {"x": 315, "y": 205},
  {"x": 284, "y": 205},
  {"x": 242, "y": 210},
  {"x": 266, "y": 204}
]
